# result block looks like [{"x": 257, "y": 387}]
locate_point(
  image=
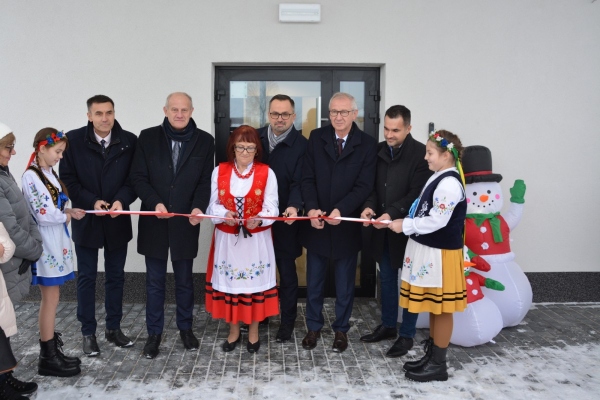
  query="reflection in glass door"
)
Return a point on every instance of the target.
[
  {"x": 249, "y": 102},
  {"x": 242, "y": 96}
]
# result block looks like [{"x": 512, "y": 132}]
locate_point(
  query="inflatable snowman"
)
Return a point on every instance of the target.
[
  {"x": 481, "y": 321},
  {"x": 487, "y": 233}
]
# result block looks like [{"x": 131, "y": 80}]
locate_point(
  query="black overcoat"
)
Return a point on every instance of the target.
[
  {"x": 398, "y": 183},
  {"x": 286, "y": 161},
  {"x": 154, "y": 182},
  {"x": 344, "y": 183},
  {"x": 89, "y": 177}
]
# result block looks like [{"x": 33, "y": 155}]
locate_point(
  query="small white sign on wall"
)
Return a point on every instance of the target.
[{"x": 299, "y": 12}]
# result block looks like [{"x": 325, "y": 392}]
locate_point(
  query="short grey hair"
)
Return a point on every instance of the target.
[
  {"x": 181, "y": 93},
  {"x": 346, "y": 96}
]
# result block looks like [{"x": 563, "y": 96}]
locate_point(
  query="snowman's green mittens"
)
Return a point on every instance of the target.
[
  {"x": 517, "y": 192},
  {"x": 492, "y": 284}
]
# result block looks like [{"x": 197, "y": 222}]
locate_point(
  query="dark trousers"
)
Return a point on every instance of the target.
[
  {"x": 156, "y": 277},
  {"x": 87, "y": 270},
  {"x": 345, "y": 273},
  {"x": 389, "y": 297},
  {"x": 288, "y": 289}
]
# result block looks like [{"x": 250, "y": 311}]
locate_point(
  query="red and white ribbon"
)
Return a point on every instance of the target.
[{"x": 160, "y": 214}]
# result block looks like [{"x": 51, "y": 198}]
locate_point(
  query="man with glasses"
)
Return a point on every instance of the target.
[
  {"x": 95, "y": 170},
  {"x": 283, "y": 151},
  {"x": 401, "y": 175},
  {"x": 337, "y": 177},
  {"x": 171, "y": 173}
]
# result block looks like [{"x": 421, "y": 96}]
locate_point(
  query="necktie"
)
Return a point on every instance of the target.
[
  {"x": 340, "y": 146},
  {"x": 103, "y": 144},
  {"x": 176, "y": 149},
  {"x": 392, "y": 152}
]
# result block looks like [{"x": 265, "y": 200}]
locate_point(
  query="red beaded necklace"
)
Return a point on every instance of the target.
[{"x": 248, "y": 175}]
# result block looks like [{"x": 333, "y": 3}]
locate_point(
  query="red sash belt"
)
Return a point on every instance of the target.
[{"x": 235, "y": 229}]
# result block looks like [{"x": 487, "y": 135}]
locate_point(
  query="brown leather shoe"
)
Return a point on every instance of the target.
[
  {"x": 340, "y": 343},
  {"x": 310, "y": 340}
]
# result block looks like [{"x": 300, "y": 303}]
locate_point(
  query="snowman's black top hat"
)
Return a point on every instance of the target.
[{"x": 477, "y": 165}]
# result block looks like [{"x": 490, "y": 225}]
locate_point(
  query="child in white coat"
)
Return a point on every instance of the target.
[{"x": 10, "y": 387}]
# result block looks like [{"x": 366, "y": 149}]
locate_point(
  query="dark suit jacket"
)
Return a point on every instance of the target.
[
  {"x": 329, "y": 182},
  {"x": 154, "y": 182},
  {"x": 89, "y": 177},
  {"x": 286, "y": 161},
  {"x": 397, "y": 184}
]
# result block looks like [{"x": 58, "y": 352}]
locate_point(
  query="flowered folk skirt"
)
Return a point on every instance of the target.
[
  {"x": 240, "y": 278},
  {"x": 450, "y": 297}
]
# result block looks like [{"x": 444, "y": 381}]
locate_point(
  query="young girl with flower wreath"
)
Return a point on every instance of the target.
[
  {"x": 47, "y": 197},
  {"x": 432, "y": 272}
]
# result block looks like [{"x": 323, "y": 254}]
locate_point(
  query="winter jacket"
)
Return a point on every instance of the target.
[
  {"x": 15, "y": 215},
  {"x": 8, "y": 320},
  {"x": 286, "y": 161},
  {"x": 90, "y": 177},
  {"x": 154, "y": 182},
  {"x": 329, "y": 182},
  {"x": 397, "y": 184}
]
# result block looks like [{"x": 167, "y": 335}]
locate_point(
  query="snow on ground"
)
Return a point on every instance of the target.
[{"x": 571, "y": 372}]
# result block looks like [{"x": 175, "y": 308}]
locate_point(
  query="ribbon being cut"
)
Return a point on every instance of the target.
[{"x": 156, "y": 214}]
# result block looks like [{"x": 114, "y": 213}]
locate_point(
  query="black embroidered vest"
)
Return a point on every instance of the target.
[{"x": 449, "y": 237}]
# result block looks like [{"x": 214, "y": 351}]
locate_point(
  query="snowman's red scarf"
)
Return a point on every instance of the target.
[{"x": 494, "y": 223}]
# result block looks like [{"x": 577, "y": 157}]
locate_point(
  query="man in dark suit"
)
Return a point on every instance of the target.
[
  {"x": 337, "y": 177},
  {"x": 171, "y": 173},
  {"x": 401, "y": 175},
  {"x": 283, "y": 151},
  {"x": 95, "y": 170}
]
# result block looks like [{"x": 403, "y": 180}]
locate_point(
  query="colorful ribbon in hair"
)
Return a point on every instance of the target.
[{"x": 50, "y": 140}]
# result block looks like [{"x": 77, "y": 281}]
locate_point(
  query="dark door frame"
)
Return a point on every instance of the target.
[{"x": 330, "y": 78}]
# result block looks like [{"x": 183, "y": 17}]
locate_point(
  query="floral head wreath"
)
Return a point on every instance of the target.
[
  {"x": 50, "y": 140},
  {"x": 446, "y": 145}
]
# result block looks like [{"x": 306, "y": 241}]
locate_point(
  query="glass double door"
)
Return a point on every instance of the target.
[{"x": 242, "y": 97}]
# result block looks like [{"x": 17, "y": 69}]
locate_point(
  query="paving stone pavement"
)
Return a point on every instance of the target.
[{"x": 553, "y": 354}]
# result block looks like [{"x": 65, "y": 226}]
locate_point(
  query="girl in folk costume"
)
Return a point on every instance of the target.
[
  {"x": 432, "y": 273},
  {"x": 47, "y": 199},
  {"x": 240, "y": 279}
]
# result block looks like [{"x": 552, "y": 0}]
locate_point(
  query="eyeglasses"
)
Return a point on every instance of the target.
[
  {"x": 284, "y": 116},
  {"x": 10, "y": 148},
  {"x": 249, "y": 150},
  {"x": 343, "y": 113}
]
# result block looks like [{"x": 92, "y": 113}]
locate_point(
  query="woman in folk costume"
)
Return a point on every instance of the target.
[
  {"x": 240, "y": 279},
  {"x": 47, "y": 197},
  {"x": 432, "y": 272}
]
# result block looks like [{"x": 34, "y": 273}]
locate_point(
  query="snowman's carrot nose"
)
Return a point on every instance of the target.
[{"x": 483, "y": 198}]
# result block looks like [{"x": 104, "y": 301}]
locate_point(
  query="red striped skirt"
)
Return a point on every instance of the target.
[
  {"x": 245, "y": 308},
  {"x": 234, "y": 308}
]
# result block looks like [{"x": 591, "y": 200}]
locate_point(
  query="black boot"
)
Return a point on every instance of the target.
[
  {"x": 19, "y": 386},
  {"x": 8, "y": 393},
  {"x": 434, "y": 370},
  {"x": 51, "y": 364},
  {"x": 71, "y": 361},
  {"x": 418, "y": 364}
]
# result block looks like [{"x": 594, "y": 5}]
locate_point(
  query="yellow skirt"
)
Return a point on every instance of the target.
[{"x": 451, "y": 297}]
